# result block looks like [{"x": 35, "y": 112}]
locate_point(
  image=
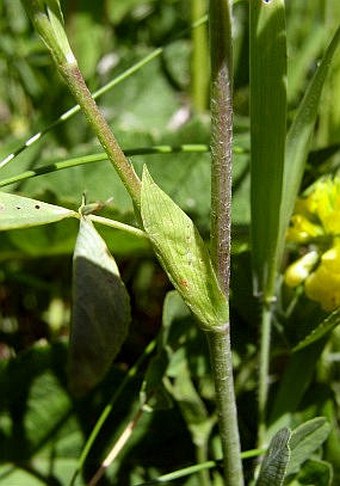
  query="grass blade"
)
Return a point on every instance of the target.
[
  {"x": 299, "y": 135},
  {"x": 268, "y": 105}
]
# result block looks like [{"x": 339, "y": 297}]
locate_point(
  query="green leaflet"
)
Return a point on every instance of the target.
[
  {"x": 23, "y": 212},
  {"x": 101, "y": 311},
  {"x": 305, "y": 439},
  {"x": 275, "y": 462},
  {"x": 288, "y": 451},
  {"x": 183, "y": 255},
  {"x": 324, "y": 328}
]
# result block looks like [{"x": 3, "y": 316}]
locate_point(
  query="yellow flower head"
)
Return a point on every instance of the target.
[
  {"x": 318, "y": 216},
  {"x": 323, "y": 285}
]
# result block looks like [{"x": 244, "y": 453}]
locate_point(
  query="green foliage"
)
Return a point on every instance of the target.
[
  {"x": 289, "y": 451},
  {"x": 268, "y": 98},
  {"x": 163, "y": 396},
  {"x": 183, "y": 255},
  {"x": 101, "y": 311},
  {"x": 274, "y": 464},
  {"x": 47, "y": 18},
  {"x": 22, "y": 212},
  {"x": 306, "y": 439}
]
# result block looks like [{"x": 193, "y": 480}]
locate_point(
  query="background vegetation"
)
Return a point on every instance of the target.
[{"x": 43, "y": 428}]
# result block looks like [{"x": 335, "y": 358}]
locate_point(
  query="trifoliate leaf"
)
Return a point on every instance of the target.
[
  {"x": 101, "y": 311},
  {"x": 183, "y": 255},
  {"x": 23, "y": 212}
]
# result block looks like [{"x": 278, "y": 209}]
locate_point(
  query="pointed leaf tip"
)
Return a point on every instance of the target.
[
  {"x": 22, "y": 212},
  {"x": 183, "y": 255}
]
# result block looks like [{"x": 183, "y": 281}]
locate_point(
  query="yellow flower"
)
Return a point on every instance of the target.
[
  {"x": 298, "y": 271},
  {"x": 318, "y": 214},
  {"x": 317, "y": 220},
  {"x": 323, "y": 285}
]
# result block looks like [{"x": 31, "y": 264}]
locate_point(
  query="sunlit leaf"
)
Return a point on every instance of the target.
[
  {"x": 22, "y": 212},
  {"x": 183, "y": 255}
]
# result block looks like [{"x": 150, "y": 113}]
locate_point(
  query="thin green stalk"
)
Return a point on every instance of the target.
[
  {"x": 188, "y": 471},
  {"x": 107, "y": 410},
  {"x": 221, "y": 181},
  {"x": 76, "y": 109},
  {"x": 264, "y": 369},
  {"x": 81, "y": 93},
  {"x": 104, "y": 89},
  {"x": 199, "y": 68},
  {"x": 93, "y": 158},
  {"x": 48, "y": 21},
  {"x": 220, "y": 355},
  {"x": 118, "y": 226},
  {"x": 118, "y": 446},
  {"x": 201, "y": 458}
]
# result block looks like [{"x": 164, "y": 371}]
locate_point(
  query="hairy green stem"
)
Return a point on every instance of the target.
[
  {"x": 221, "y": 137},
  {"x": 81, "y": 93},
  {"x": 220, "y": 353},
  {"x": 48, "y": 22},
  {"x": 221, "y": 181}
]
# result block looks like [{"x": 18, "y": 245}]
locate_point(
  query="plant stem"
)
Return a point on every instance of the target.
[
  {"x": 221, "y": 180},
  {"x": 48, "y": 22},
  {"x": 81, "y": 93},
  {"x": 264, "y": 370},
  {"x": 221, "y": 137},
  {"x": 200, "y": 73},
  {"x": 220, "y": 353},
  {"x": 201, "y": 457}
]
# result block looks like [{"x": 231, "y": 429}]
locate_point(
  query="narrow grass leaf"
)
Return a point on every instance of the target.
[
  {"x": 183, "y": 255},
  {"x": 101, "y": 311},
  {"x": 305, "y": 440},
  {"x": 299, "y": 135},
  {"x": 268, "y": 105},
  {"x": 300, "y": 63},
  {"x": 275, "y": 462},
  {"x": 324, "y": 328},
  {"x": 22, "y": 212}
]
